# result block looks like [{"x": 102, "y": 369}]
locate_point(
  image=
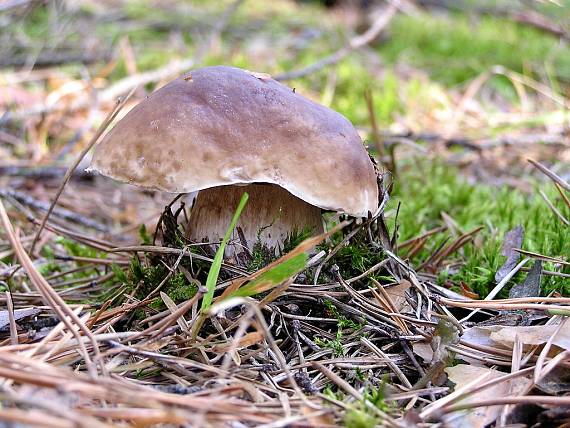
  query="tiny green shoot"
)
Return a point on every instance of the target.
[
  {"x": 214, "y": 271},
  {"x": 281, "y": 272}
]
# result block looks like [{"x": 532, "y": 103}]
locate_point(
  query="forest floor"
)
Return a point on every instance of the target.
[{"x": 450, "y": 306}]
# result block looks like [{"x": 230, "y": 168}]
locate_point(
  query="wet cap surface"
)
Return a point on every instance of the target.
[{"x": 222, "y": 125}]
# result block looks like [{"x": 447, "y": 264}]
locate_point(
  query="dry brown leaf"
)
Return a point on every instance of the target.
[
  {"x": 513, "y": 239},
  {"x": 260, "y": 76},
  {"x": 528, "y": 335},
  {"x": 531, "y": 285},
  {"x": 247, "y": 340},
  {"x": 533, "y": 335},
  {"x": 467, "y": 291},
  {"x": 423, "y": 350},
  {"x": 462, "y": 375},
  {"x": 18, "y": 315},
  {"x": 317, "y": 418},
  {"x": 397, "y": 294}
]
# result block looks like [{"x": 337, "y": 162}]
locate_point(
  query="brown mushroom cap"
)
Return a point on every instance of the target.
[{"x": 221, "y": 125}]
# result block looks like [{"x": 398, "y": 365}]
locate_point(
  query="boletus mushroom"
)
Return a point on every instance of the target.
[{"x": 223, "y": 131}]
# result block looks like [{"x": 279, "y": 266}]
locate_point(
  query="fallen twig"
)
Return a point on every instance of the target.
[
  {"x": 553, "y": 208},
  {"x": 39, "y": 172},
  {"x": 552, "y": 175},
  {"x": 57, "y": 212},
  {"x": 356, "y": 43},
  {"x": 51, "y": 298}
]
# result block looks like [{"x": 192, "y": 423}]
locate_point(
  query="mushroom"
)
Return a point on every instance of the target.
[{"x": 223, "y": 131}]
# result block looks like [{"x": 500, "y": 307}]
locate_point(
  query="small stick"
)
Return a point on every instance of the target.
[
  {"x": 378, "y": 140},
  {"x": 553, "y": 176},
  {"x": 564, "y": 197},
  {"x": 502, "y": 305},
  {"x": 356, "y": 43},
  {"x": 538, "y": 256},
  {"x": 57, "y": 212},
  {"x": 498, "y": 287},
  {"x": 527, "y": 399},
  {"x": 51, "y": 298},
  {"x": 553, "y": 208},
  {"x": 38, "y": 172},
  {"x": 13, "y": 328}
]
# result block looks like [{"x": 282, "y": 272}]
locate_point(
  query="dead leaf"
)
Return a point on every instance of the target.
[
  {"x": 397, "y": 294},
  {"x": 18, "y": 315},
  {"x": 533, "y": 335},
  {"x": 423, "y": 350},
  {"x": 508, "y": 318},
  {"x": 463, "y": 374},
  {"x": 172, "y": 308},
  {"x": 531, "y": 285},
  {"x": 513, "y": 239},
  {"x": 260, "y": 76},
  {"x": 555, "y": 382},
  {"x": 467, "y": 291},
  {"x": 505, "y": 336},
  {"x": 247, "y": 340},
  {"x": 445, "y": 334},
  {"x": 316, "y": 418}
]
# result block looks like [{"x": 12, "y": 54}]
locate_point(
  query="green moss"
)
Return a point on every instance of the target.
[
  {"x": 360, "y": 416},
  {"x": 354, "y": 79},
  {"x": 455, "y": 48},
  {"x": 37, "y": 20},
  {"x": 356, "y": 256},
  {"x": 178, "y": 288},
  {"x": 343, "y": 322},
  {"x": 295, "y": 238},
  {"x": 335, "y": 345},
  {"x": 76, "y": 249},
  {"x": 425, "y": 190},
  {"x": 49, "y": 268},
  {"x": 144, "y": 279},
  {"x": 144, "y": 236},
  {"x": 261, "y": 256}
]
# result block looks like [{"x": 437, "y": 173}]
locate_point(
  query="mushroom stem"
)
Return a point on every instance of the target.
[{"x": 270, "y": 216}]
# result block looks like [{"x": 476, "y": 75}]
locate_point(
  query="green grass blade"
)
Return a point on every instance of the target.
[
  {"x": 278, "y": 274},
  {"x": 217, "y": 264}
]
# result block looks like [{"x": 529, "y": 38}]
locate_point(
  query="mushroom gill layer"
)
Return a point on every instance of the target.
[{"x": 270, "y": 216}]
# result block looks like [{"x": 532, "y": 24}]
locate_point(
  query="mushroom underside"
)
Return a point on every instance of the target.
[{"x": 269, "y": 217}]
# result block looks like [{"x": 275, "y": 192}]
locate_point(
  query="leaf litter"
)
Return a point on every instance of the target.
[{"x": 105, "y": 330}]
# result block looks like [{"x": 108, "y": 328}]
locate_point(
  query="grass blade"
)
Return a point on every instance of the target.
[
  {"x": 273, "y": 277},
  {"x": 217, "y": 264}
]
